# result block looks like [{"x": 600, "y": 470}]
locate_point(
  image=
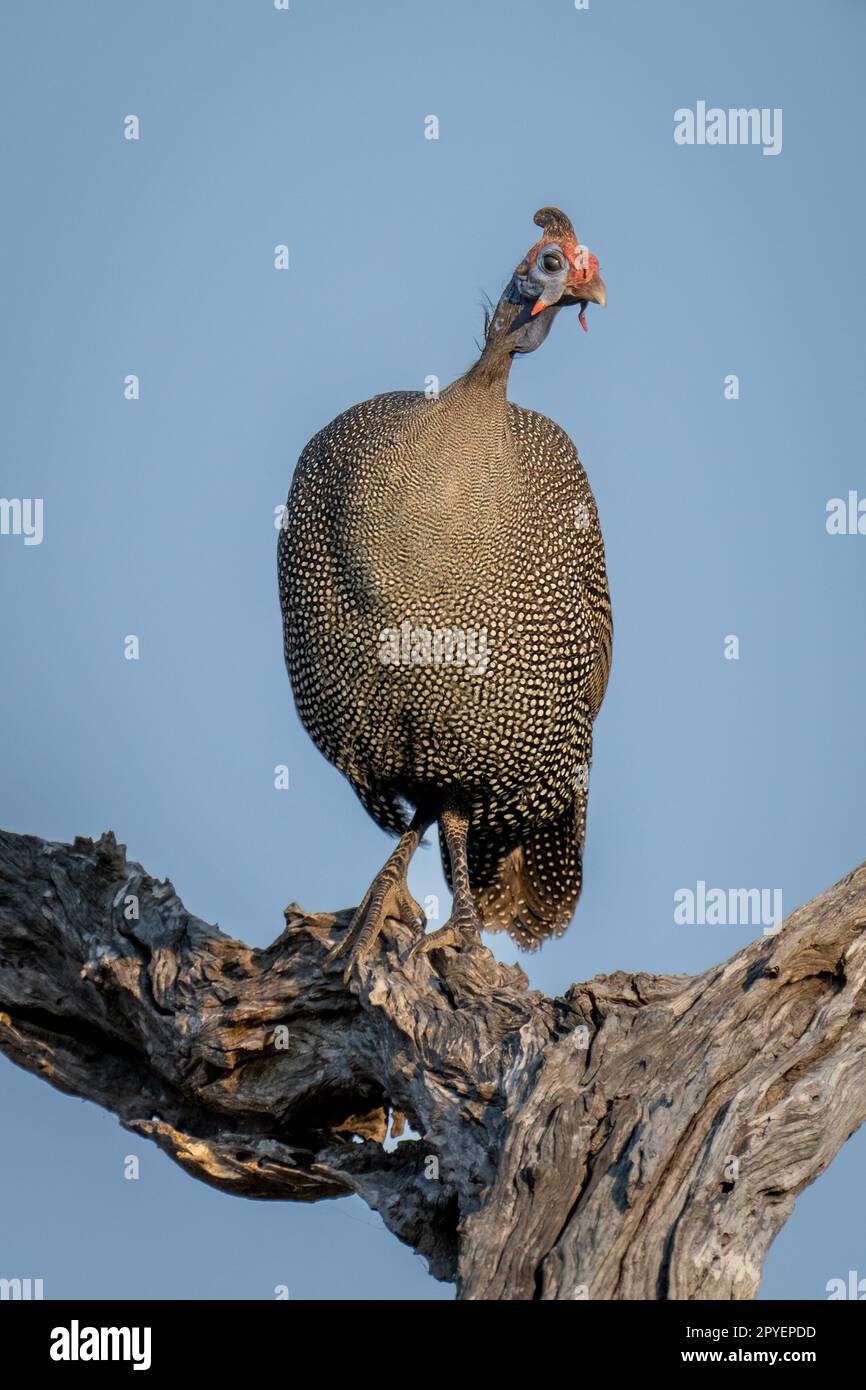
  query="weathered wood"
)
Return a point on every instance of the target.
[{"x": 643, "y": 1136}]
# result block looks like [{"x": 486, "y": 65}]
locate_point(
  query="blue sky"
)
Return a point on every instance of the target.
[{"x": 155, "y": 257}]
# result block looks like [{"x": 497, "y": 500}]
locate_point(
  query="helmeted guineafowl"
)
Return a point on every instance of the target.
[{"x": 448, "y": 628}]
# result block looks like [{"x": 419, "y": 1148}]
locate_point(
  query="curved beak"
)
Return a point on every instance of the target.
[
  {"x": 542, "y": 303},
  {"x": 593, "y": 293},
  {"x": 597, "y": 293}
]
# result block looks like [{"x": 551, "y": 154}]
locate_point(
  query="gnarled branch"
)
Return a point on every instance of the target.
[{"x": 642, "y": 1136}]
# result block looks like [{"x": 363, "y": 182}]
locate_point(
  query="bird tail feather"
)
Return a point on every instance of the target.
[{"x": 529, "y": 889}]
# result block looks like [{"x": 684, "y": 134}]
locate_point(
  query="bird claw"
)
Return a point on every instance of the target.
[
  {"x": 411, "y": 912},
  {"x": 386, "y": 897},
  {"x": 462, "y": 930}
]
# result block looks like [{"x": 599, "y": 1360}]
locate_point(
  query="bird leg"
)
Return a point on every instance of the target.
[
  {"x": 387, "y": 896},
  {"x": 463, "y": 927}
]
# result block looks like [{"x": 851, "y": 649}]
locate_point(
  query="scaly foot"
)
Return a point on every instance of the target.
[
  {"x": 463, "y": 930},
  {"x": 387, "y": 896}
]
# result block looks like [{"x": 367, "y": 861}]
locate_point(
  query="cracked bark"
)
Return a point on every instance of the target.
[{"x": 641, "y": 1137}]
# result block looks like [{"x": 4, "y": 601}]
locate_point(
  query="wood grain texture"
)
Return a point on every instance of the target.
[{"x": 641, "y": 1137}]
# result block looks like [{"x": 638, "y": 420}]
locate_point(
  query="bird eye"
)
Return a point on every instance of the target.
[{"x": 552, "y": 261}]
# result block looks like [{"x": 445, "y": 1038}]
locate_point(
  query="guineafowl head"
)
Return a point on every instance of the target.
[{"x": 556, "y": 272}]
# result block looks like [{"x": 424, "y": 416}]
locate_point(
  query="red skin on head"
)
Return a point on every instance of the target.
[{"x": 584, "y": 267}]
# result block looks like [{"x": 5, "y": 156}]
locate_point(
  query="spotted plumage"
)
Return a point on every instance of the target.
[{"x": 447, "y": 623}]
